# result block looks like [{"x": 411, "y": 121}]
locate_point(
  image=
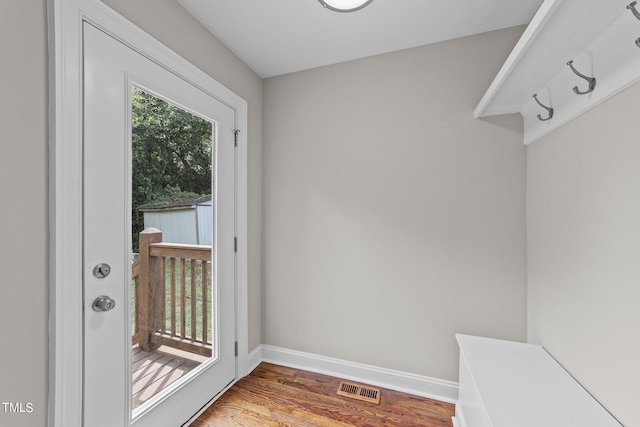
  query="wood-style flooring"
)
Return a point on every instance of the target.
[
  {"x": 151, "y": 372},
  {"x": 277, "y": 396}
]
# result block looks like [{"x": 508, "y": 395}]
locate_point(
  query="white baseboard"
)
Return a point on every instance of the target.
[
  {"x": 433, "y": 388},
  {"x": 254, "y": 359},
  {"x": 458, "y": 420}
]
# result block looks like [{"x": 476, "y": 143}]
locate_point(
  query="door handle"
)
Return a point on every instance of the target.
[{"x": 103, "y": 303}]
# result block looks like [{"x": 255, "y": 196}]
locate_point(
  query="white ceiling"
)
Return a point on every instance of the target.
[{"x": 282, "y": 36}]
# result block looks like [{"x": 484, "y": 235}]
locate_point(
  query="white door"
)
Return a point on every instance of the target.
[{"x": 112, "y": 72}]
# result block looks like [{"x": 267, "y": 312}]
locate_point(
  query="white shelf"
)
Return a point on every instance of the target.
[
  {"x": 598, "y": 35},
  {"x": 506, "y": 384}
]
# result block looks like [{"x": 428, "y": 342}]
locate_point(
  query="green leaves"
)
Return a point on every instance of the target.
[{"x": 171, "y": 154}]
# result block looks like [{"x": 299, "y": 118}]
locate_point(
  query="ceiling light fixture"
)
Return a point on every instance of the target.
[{"x": 344, "y": 5}]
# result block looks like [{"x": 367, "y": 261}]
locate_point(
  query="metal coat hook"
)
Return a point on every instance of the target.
[
  {"x": 632, "y": 8},
  {"x": 549, "y": 109},
  {"x": 591, "y": 80}
]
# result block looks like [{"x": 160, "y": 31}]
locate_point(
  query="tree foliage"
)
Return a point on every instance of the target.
[{"x": 171, "y": 155}]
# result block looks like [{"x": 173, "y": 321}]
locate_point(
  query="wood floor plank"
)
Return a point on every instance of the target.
[
  {"x": 334, "y": 408},
  {"x": 323, "y": 399},
  {"x": 151, "y": 372},
  {"x": 147, "y": 380},
  {"x": 143, "y": 363},
  {"x": 160, "y": 383},
  {"x": 150, "y": 367},
  {"x": 137, "y": 355},
  {"x": 278, "y": 396}
]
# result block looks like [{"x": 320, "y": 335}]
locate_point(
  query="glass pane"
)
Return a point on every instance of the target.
[{"x": 171, "y": 236}]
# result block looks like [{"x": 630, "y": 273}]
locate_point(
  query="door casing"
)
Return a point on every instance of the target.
[{"x": 65, "y": 18}]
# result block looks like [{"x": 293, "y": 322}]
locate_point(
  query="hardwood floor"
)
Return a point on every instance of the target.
[{"x": 277, "y": 396}]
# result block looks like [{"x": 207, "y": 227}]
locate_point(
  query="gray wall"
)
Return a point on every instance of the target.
[
  {"x": 583, "y": 219},
  {"x": 392, "y": 218},
  {"x": 23, "y": 218},
  {"x": 24, "y": 179}
]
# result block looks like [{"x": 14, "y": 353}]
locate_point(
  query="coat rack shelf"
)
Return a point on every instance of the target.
[{"x": 599, "y": 38}]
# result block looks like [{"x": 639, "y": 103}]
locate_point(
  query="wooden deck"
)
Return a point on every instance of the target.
[
  {"x": 153, "y": 372},
  {"x": 277, "y": 396}
]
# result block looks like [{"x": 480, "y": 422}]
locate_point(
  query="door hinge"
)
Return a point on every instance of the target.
[
  {"x": 235, "y": 244},
  {"x": 235, "y": 137},
  {"x": 236, "y": 349}
]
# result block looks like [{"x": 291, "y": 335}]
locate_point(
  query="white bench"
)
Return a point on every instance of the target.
[{"x": 510, "y": 384}]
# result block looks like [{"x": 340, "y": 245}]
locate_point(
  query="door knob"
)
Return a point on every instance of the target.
[{"x": 103, "y": 303}]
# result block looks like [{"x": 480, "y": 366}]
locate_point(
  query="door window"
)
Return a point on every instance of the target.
[{"x": 171, "y": 204}]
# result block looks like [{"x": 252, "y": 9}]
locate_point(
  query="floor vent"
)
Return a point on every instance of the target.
[{"x": 360, "y": 392}]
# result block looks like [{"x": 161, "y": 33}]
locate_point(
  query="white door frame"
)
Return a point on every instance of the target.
[{"x": 65, "y": 19}]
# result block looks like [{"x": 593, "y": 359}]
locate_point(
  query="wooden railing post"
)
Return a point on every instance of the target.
[
  {"x": 150, "y": 295},
  {"x": 155, "y": 325}
]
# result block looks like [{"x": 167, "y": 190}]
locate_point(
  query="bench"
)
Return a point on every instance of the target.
[{"x": 511, "y": 384}]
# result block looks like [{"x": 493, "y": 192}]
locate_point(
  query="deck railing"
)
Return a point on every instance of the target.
[{"x": 172, "y": 291}]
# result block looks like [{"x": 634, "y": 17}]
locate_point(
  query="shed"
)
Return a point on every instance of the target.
[{"x": 187, "y": 220}]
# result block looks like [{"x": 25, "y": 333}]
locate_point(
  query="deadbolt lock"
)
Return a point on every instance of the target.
[
  {"x": 101, "y": 270},
  {"x": 103, "y": 303}
]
